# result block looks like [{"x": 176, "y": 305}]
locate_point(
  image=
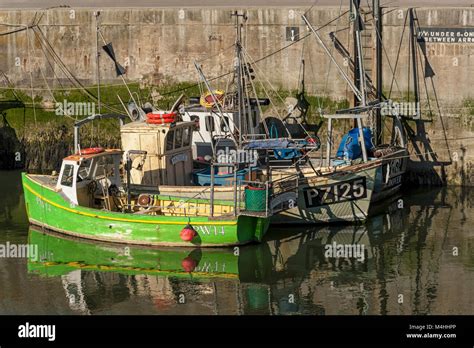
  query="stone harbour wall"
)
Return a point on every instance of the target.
[{"x": 159, "y": 46}]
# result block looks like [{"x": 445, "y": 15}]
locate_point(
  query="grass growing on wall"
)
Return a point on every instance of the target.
[
  {"x": 469, "y": 105},
  {"x": 47, "y": 137},
  {"x": 165, "y": 95}
]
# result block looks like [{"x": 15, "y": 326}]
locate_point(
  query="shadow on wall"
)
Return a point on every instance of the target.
[
  {"x": 46, "y": 147},
  {"x": 424, "y": 166},
  {"x": 11, "y": 149},
  {"x": 427, "y": 169}
]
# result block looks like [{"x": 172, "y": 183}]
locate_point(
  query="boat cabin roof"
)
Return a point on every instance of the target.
[
  {"x": 140, "y": 126},
  {"x": 106, "y": 152}
]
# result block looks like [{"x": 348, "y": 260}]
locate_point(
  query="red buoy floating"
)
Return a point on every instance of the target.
[
  {"x": 188, "y": 264},
  {"x": 187, "y": 233},
  {"x": 90, "y": 151}
]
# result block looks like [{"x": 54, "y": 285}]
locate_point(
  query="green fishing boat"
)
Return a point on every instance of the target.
[{"x": 93, "y": 198}]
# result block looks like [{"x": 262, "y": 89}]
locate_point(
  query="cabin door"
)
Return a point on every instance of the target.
[
  {"x": 178, "y": 157},
  {"x": 179, "y": 168}
]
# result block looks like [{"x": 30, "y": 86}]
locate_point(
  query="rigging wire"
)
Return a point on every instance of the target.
[
  {"x": 31, "y": 74},
  {"x": 49, "y": 63},
  {"x": 47, "y": 48},
  {"x": 81, "y": 87},
  {"x": 379, "y": 39},
  {"x": 396, "y": 62},
  {"x": 315, "y": 2},
  {"x": 330, "y": 63},
  {"x": 16, "y": 30},
  {"x": 66, "y": 89},
  {"x": 263, "y": 86},
  {"x": 300, "y": 82},
  {"x": 284, "y": 124},
  {"x": 261, "y": 58},
  {"x": 273, "y": 106},
  {"x": 45, "y": 81},
  {"x": 69, "y": 75},
  {"x": 260, "y": 110}
]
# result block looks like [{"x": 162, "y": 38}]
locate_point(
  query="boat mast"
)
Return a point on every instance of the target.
[
  {"x": 359, "y": 75},
  {"x": 97, "y": 29},
  {"x": 240, "y": 85},
  {"x": 377, "y": 11},
  {"x": 358, "y": 27},
  {"x": 413, "y": 38},
  {"x": 216, "y": 102},
  {"x": 351, "y": 84}
]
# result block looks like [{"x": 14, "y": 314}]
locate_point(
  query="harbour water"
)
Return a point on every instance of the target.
[{"x": 415, "y": 255}]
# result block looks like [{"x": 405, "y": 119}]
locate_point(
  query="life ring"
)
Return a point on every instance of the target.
[
  {"x": 208, "y": 101},
  {"x": 161, "y": 116},
  {"x": 90, "y": 151},
  {"x": 160, "y": 121}
]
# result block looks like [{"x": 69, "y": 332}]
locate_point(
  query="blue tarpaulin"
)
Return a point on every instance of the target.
[{"x": 349, "y": 147}]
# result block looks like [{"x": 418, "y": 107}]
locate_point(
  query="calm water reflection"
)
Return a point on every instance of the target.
[{"x": 415, "y": 259}]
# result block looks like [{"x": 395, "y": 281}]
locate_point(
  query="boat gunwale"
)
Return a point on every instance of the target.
[{"x": 95, "y": 213}]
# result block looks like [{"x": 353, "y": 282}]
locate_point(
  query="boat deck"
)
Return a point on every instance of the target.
[
  {"x": 260, "y": 214},
  {"x": 46, "y": 180}
]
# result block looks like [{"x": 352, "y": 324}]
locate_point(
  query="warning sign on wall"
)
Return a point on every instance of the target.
[{"x": 446, "y": 35}]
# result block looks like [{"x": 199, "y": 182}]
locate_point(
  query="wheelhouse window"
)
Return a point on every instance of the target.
[
  {"x": 210, "y": 123},
  {"x": 178, "y": 139},
  {"x": 84, "y": 170},
  {"x": 187, "y": 136},
  {"x": 196, "y": 121},
  {"x": 169, "y": 140},
  {"x": 253, "y": 118},
  {"x": 224, "y": 124},
  {"x": 68, "y": 175},
  {"x": 105, "y": 167}
]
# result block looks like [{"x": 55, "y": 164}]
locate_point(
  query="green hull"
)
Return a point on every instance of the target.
[
  {"x": 48, "y": 208},
  {"x": 59, "y": 255}
]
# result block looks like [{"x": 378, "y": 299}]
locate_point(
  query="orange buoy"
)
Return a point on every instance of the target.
[
  {"x": 90, "y": 151},
  {"x": 188, "y": 233}
]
